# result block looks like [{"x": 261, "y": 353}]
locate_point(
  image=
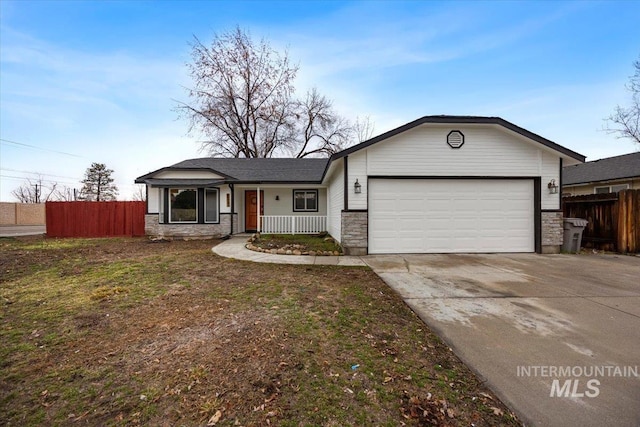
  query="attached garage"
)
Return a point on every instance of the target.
[
  {"x": 449, "y": 184},
  {"x": 451, "y": 215}
]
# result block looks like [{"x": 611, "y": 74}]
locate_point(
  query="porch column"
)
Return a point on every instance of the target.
[{"x": 258, "y": 228}]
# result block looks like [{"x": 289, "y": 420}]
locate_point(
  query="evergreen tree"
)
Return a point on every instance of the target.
[{"x": 98, "y": 184}]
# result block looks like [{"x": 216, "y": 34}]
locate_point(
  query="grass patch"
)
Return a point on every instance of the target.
[
  {"x": 302, "y": 242},
  {"x": 127, "y": 332}
]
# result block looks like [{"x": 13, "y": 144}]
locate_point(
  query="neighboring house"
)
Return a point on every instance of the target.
[
  {"x": 439, "y": 184},
  {"x": 608, "y": 175}
]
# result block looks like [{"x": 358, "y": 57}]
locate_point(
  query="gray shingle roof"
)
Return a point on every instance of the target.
[
  {"x": 607, "y": 169},
  {"x": 271, "y": 170}
]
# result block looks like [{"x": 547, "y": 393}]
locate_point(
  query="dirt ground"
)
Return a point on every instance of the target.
[{"x": 129, "y": 332}]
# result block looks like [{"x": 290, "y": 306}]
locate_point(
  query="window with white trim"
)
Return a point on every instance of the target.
[
  {"x": 183, "y": 205},
  {"x": 305, "y": 200},
  {"x": 211, "y": 205}
]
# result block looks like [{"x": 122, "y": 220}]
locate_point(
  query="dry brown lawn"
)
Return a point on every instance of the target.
[{"x": 128, "y": 332}]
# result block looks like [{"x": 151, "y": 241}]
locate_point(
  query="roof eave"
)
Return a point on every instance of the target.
[
  {"x": 140, "y": 179},
  {"x": 258, "y": 182},
  {"x": 599, "y": 181}
]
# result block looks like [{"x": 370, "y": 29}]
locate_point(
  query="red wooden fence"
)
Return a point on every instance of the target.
[{"x": 95, "y": 219}]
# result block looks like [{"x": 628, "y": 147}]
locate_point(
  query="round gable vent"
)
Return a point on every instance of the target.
[{"x": 455, "y": 139}]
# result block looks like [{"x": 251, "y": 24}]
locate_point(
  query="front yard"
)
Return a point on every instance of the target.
[{"x": 129, "y": 332}]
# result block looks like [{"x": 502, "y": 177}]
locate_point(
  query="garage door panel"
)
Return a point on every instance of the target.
[{"x": 444, "y": 216}]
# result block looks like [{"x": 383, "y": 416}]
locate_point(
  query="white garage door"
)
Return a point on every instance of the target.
[{"x": 449, "y": 215}]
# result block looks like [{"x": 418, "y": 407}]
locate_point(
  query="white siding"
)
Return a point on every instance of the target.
[
  {"x": 550, "y": 168},
  {"x": 357, "y": 166},
  {"x": 153, "y": 199},
  {"x": 284, "y": 206},
  {"x": 335, "y": 203},
  {"x": 224, "y": 190},
  {"x": 487, "y": 151},
  {"x": 423, "y": 151}
]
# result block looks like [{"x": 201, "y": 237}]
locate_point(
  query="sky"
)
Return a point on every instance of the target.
[{"x": 98, "y": 81}]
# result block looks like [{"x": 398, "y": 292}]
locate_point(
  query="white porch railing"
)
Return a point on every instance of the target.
[{"x": 293, "y": 224}]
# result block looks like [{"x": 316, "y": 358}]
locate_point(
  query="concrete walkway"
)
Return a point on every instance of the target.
[{"x": 235, "y": 248}]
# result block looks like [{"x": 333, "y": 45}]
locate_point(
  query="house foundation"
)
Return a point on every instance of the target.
[
  {"x": 552, "y": 232},
  {"x": 355, "y": 232},
  {"x": 154, "y": 228}
]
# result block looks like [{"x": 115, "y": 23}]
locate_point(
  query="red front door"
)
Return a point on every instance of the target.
[{"x": 251, "y": 209}]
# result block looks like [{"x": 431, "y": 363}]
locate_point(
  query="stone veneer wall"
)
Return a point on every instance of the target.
[
  {"x": 195, "y": 231},
  {"x": 552, "y": 232},
  {"x": 354, "y": 239}
]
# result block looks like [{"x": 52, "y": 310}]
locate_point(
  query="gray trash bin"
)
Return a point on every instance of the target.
[{"x": 573, "y": 228}]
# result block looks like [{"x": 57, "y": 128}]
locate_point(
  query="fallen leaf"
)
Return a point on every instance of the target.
[
  {"x": 215, "y": 418},
  {"x": 497, "y": 411}
]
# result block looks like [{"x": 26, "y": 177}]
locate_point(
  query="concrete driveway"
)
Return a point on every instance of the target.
[{"x": 556, "y": 337}]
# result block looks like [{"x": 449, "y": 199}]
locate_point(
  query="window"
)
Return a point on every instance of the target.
[
  {"x": 183, "y": 205},
  {"x": 211, "y": 204},
  {"x": 305, "y": 200},
  {"x": 611, "y": 188},
  {"x": 619, "y": 187}
]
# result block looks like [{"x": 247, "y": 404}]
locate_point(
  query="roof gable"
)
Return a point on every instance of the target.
[
  {"x": 610, "y": 168},
  {"x": 443, "y": 119}
]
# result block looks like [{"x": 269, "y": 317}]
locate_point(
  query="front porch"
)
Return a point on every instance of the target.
[
  {"x": 283, "y": 209},
  {"x": 198, "y": 209}
]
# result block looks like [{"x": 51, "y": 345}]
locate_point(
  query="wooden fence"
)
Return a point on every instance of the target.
[
  {"x": 95, "y": 219},
  {"x": 614, "y": 219}
]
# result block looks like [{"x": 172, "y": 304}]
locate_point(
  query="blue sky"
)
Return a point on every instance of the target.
[{"x": 97, "y": 81}]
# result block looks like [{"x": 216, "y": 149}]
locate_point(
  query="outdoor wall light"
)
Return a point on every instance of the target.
[
  {"x": 277, "y": 197},
  {"x": 357, "y": 188},
  {"x": 552, "y": 186}
]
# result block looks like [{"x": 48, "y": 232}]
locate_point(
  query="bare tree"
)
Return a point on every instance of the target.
[
  {"x": 34, "y": 190},
  {"x": 243, "y": 102},
  {"x": 320, "y": 129},
  {"x": 64, "y": 194},
  {"x": 140, "y": 193},
  {"x": 242, "y": 96},
  {"x": 364, "y": 128},
  {"x": 625, "y": 122}
]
